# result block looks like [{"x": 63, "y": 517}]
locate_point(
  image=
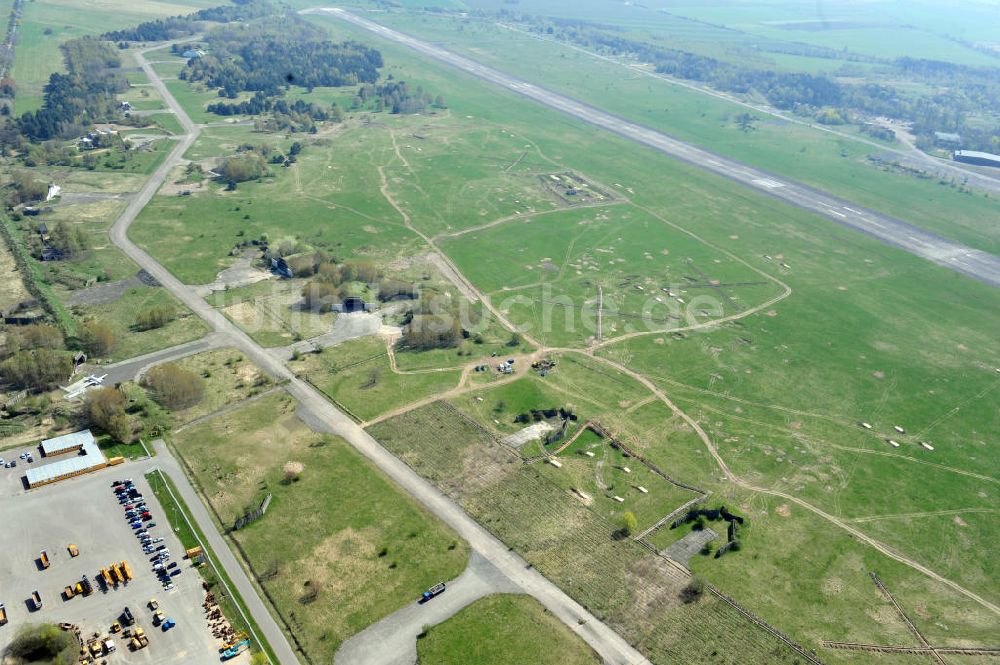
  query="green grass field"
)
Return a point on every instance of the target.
[
  {"x": 503, "y": 630},
  {"x": 358, "y": 375},
  {"x": 322, "y": 201},
  {"x": 865, "y": 334},
  {"x": 617, "y": 580},
  {"x": 37, "y": 54},
  {"x": 176, "y": 515},
  {"x": 829, "y": 162},
  {"x": 362, "y": 548}
]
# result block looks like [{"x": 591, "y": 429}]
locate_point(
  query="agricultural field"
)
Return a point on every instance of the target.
[
  {"x": 503, "y": 630},
  {"x": 12, "y": 289},
  {"x": 624, "y": 585},
  {"x": 363, "y": 549}
]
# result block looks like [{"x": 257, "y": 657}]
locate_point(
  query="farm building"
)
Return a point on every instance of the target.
[
  {"x": 977, "y": 158},
  {"x": 88, "y": 457},
  {"x": 193, "y": 53}
]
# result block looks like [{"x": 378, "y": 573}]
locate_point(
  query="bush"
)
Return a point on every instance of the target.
[
  {"x": 42, "y": 643},
  {"x": 243, "y": 167},
  {"x": 292, "y": 472},
  {"x": 96, "y": 338},
  {"x": 105, "y": 410},
  {"x": 693, "y": 590},
  {"x": 155, "y": 317},
  {"x": 630, "y": 524},
  {"x": 36, "y": 336},
  {"x": 173, "y": 387},
  {"x": 427, "y": 331},
  {"x": 37, "y": 369}
]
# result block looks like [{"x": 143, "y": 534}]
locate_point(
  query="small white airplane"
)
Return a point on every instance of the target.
[{"x": 75, "y": 390}]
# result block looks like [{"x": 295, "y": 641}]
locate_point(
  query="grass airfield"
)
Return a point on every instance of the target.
[{"x": 834, "y": 334}]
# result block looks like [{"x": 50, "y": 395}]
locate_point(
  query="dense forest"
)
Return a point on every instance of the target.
[
  {"x": 83, "y": 95},
  {"x": 176, "y": 27},
  {"x": 967, "y": 91},
  {"x": 283, "y": 52}
]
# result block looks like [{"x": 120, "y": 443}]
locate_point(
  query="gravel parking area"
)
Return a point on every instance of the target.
[{"x": 84, "y": 511}]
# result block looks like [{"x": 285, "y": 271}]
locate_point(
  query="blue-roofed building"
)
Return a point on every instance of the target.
[
  {"x": 79, "y": 453},
  {"x": 978, "y": 158},
  {"x": 67, "y": 443}
]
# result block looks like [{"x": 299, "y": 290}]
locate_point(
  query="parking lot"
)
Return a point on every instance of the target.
[{"x": 84, "y": 511}]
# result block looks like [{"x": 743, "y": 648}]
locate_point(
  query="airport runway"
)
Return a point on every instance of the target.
[{"x": 974, "y": 263}]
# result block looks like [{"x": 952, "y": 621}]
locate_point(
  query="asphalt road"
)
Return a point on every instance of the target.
[
  {"x": 393, "y": 640},
  {"x": 168, "y": 464},
  {"x": 974, "y": 263},
  {"x": 608, "y": 644},
  {"x": 133, "y": 368}
]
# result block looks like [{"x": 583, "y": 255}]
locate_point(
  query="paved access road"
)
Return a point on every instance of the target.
[
  {"x": 319, "y": 412},
  {"x": 974, "y": 263},
  {"x": 394, "y": 638}
]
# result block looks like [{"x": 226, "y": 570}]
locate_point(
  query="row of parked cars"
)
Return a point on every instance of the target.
[
  {"x": 9, "y": 464},
  {"x": 141, "y": 521}
]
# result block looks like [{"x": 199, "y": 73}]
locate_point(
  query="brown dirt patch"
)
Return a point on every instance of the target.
[
  {"x": 771, "y": 312},
  {"x": 12, "y": 289},
  {"x": 879, "y": 374},
  {"x": 783, "y": 510},
  {"x": 959, "y": 521}
]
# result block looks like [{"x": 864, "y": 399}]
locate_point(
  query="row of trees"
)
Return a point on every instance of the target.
[
  {"x": 397, "y": 97},
  {"x": 35, "y": 357},
  {"x": 298, "y": 116},
  {"x": 176, "y": 27},
  {"x": 83, "y": 95},
  {"x": 970, "y": 91}
]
